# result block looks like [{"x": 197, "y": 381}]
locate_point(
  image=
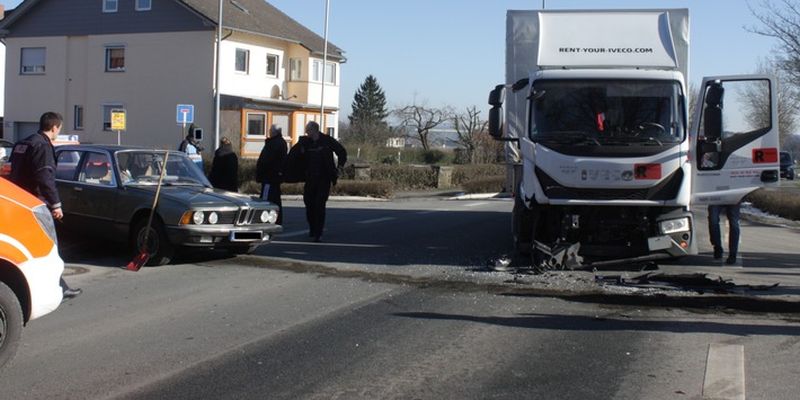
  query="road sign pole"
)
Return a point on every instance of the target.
[{"x": 119, "y": 141}]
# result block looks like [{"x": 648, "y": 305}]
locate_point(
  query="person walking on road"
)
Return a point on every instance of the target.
[
  {"x": 224, "y": 172},
  {"x": 269, "y": 168},
  {"x": 311, "y": 160},
  {"x": 732, "y": 212},
  {"x": 33, "y": 168}
]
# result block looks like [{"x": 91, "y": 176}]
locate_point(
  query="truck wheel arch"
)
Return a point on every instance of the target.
[{"x": 15, "y": 280}]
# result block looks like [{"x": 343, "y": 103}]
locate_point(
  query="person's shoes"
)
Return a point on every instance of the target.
[
  {"x": 72, "y": 293},
  {"x": 317, "y": 239},
  {"x": 731, "y": 260},
  {"x": 718, "y": 253}
]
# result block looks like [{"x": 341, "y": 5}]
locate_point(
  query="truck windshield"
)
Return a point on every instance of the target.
[{"x": 606, "y": 112}]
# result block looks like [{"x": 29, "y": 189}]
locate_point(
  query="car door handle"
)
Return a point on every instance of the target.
[{"x": 78, "y": 189}]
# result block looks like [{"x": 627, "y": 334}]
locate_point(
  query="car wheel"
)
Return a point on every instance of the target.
[
  {"x": 790, "y": 175},
  {"x": 242, "y": 250},
  {"x": 10, "y": 324},
  {"x": 158, "y": 245}
]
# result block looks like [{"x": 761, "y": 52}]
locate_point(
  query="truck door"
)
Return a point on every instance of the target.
[{"x": 734, "y": 138}]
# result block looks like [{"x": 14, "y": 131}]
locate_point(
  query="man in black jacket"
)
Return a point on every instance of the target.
[
  {"x": 311, "y": 159},
  {"x": 33, "y": 168},
  {"x": 224, "y": 172},
  {"x": 269, "y": 168}
]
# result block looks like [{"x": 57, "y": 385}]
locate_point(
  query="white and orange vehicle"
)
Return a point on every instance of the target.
[{"x": 30, "y": 267}]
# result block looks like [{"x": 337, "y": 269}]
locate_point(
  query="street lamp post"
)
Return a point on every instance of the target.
[
  {"x": 217, "y": 110},
  {"x": 324, "y": 67}
]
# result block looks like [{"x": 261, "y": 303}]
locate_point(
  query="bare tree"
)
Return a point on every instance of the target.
[
  {"x": 757, "y": 104},
  {"x": 469, "y": 126},
  {"x": 422, "y": 120},
  {"x": 782, "y": 22}
]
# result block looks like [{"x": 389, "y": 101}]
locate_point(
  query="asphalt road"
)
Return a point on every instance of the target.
[{"x": 338, "y": 327}]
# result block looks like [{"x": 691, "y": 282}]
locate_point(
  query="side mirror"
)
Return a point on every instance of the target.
[
  {"x": 496, "y": 122},
  {"x": 497, "y": 95},
  {"x": 712, "y": 114}
]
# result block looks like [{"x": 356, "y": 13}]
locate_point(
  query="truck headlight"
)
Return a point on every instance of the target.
[
  {"x": 674, "y": 226},
  {"x": 198, "y": 217}
]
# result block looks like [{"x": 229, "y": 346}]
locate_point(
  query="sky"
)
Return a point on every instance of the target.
[{"x": 451, "y": 52}]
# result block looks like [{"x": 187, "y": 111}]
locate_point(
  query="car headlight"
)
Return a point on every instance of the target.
[
  {"x": 264, "y": 217},
  {"x": 674, "y": 225},
  {"x": 198, "y": 217},
  {"x": 45, "y": 220},
  {"x": 213, "y": 218},
  {"x": 273, "y": 217}
]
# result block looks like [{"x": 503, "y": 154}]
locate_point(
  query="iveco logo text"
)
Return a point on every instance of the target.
[{"x": 642, "y": 50}]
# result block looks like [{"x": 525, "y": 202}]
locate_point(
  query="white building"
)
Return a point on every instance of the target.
[{"x": 83, "y": 58}]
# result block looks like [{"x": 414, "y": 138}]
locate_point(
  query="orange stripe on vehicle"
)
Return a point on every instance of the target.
[
  {"x": 11, "y": 253},
  {"x": 17, "y": 194}
]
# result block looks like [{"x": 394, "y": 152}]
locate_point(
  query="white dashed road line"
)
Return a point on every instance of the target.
[
  {"x": 476, "y": 204},
  {"x": 724, "y": 378},
  {"x": 372, "y": 221},
  {"x": 355, "y": 245}
]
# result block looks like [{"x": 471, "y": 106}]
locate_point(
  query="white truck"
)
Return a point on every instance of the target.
[{"x": 595, "y": 113}]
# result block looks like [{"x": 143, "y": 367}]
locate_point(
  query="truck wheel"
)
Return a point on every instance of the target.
[
  {"x": 521, "y": 226},
  {"x": 10, "y": 324},
  {"x": 160, "y": 249}
]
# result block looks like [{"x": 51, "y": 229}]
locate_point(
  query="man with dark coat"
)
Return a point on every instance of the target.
[
  {"x": 311, "y": 160},
  {"x": 225, "y": 167},
  {"x": 33, "y": 168},
  {"x": 269, "y": 168}
]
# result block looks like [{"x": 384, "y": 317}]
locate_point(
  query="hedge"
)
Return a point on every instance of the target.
[{"x": 783, "y": 204}]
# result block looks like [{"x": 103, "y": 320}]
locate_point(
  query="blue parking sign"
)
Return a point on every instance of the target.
[{"x": 185, "y": 114}]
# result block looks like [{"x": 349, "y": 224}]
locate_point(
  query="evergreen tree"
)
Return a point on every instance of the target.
[{"x": 369, "y": 105}]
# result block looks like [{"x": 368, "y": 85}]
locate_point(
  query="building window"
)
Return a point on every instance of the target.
[
  {"x": 110, "y": 6},
  {"x": 32, "y": 60},
  {"x": 115, "y": 59},
  {"x": 330, "y": 72},
  {"x": 107, "y": 114},
  {"x": 144, "y": 5},
  {"x": 272, "y": 65},
  {"x": 256, "y": 124},
  {"x": 242, "y": 60},
  {"x": 295, "y": 69},
  {"x": 78, "y": 117}
]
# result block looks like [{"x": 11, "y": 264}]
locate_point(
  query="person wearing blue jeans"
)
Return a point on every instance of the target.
[{"x": 732, "y": 212}]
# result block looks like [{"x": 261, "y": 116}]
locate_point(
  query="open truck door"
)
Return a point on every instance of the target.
[{"x": 734, "y": 146}]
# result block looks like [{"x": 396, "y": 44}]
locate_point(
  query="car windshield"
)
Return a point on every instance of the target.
[
  {"x": 606, "y": 112},
  {"x": 144, "y": 168}
]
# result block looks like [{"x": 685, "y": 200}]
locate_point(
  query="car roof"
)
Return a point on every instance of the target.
[{"x": 112, "y": 148}]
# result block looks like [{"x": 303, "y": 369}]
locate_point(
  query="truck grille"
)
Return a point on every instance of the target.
[{"x": 666, "y": 190}]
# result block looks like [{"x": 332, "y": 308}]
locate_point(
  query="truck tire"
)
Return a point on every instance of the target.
[
  {"x": 521, "y": 226},
  {"x": 10, "y": 324}
]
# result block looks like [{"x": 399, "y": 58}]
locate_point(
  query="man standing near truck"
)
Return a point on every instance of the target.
[
  {"x": 732, "y": 212},
  {"x": 33, "y": 168}
]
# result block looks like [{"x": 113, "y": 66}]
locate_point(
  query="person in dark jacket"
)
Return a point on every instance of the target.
[
  {"x": 225, "y": 167},
  {"x": 33, "y": 168},
  {"x": 311, "y": 160},
  {"x": 269, "y": 168}
]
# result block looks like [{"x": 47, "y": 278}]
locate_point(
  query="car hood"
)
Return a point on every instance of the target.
[{"x": 197, "y": 196}]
